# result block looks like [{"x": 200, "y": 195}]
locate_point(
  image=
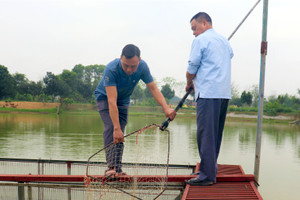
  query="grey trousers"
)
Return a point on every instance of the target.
[
  {"x": 211, "y": 115},
  {"x": 113, "y": 152}
]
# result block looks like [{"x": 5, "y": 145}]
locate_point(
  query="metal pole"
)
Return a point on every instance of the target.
[
  {"x": 21, "y": 192},
  {"x": 261, "y": 89},
  {"x": 243, "y": 20}
]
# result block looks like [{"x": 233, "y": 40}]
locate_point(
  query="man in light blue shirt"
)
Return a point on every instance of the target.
[{"x": 209, "y": 73}]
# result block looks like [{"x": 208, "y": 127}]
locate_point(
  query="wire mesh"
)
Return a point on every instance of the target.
[{"x": 113, "y": 185}]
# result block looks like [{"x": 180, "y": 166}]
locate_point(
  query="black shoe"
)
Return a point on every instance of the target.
[
  {"x": 195, "y": 173},
  {"x": 198, "y": 182}
]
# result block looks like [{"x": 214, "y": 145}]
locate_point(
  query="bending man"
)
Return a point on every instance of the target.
[{"x": 113, "y": 96}]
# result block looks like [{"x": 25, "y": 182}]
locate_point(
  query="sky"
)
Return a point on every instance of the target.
[{"x": 40, "y": 36}]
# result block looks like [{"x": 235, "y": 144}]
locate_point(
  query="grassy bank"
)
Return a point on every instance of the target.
[{"x": 40, "y": 111}]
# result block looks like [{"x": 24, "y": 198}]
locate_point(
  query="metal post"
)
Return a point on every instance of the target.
[
  {"x": 29, "y": 192},
  {"x": 261, "y": 89},
  {"x": 21, "y": 192},
  {"x": 69, "y": 165}
]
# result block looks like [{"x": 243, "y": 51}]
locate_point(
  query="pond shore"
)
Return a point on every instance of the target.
[
  {"x": 278, "y": 117},
  {"x": 40, "y": 107}
]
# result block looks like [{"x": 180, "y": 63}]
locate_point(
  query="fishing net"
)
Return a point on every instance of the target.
[{"x": 142, "y": 180}]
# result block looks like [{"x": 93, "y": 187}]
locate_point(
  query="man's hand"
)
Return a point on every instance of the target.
[
  {"x": 118, "y": 136},
  {"x": 187, "y": 87},
  {"x": 189, "y": 81},
  {"x": 171, "y": 113}
]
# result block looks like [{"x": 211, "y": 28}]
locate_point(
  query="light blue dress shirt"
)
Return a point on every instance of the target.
[{"x": 210, "y": 60}]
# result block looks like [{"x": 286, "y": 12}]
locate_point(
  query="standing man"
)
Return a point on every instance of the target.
[
  {"x": 209, "y": 73},
  {"x": 112, "y": 99}
]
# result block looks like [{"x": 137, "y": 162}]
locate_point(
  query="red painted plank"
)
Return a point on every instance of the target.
[
  {"x": 127, "y": 178},
  {"x": 226, "y": 169},
  {"x": 41, "y": 178},
  {"x": 255, "y": 190},
  {"x": 186, "y": 191},
  {"x": 223, "y": 190}
]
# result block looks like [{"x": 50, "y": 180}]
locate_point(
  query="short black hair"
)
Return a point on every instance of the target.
[
  {"x": 202, "y": 15},
  {"x": 130, "y": 50}
]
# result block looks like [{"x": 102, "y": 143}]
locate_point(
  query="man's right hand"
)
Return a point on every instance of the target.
[
  {"x": 118, "y": 136},
  {"x": 188, "y": 87}
]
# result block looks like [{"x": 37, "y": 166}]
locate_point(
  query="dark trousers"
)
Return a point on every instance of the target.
[
  {"x": 211, "y": 115},
  {"x": 113, "y": 152}
]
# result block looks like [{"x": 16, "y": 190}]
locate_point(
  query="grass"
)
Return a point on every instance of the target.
[{"x": 15, "y": 110}]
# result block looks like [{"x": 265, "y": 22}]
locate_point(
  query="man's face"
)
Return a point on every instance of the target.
[
  {"x": 197, "y": 27},
  {"x": 130, "y": 65}
]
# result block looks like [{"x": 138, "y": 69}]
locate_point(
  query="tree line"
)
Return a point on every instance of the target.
[
  {"x": 273, "y": 105},
  {"x": 76, "y": 85}
]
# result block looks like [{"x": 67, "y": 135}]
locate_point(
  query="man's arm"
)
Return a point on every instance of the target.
[
  {"x": 160, "y": 99},
  {"x": 112, "y": 95},
  {"x": 189, "y": 81}
]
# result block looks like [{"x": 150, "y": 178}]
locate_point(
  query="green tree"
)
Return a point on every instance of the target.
[
  {"x": 36, "y": 88},
  {"x": 246, "y": 98},
  {"x": 70, "y": 78},
  {"x": 234, "y": 91},
  {"x": 147, "y": 93},
  {"x": 255, "y": 95},
  {"x": 21, "y": 83},
  {"x": 7, "y": 88},
  {"x": 177, "y": 86},
  {"x": 167, "y": 91},
  {"x": 89, "y": 74},
  {"x": 236, "y": 102},
  {"x": 289, "y": 101},
  {"x": 52, "y": 85},
  {"x": 55, "y": 86},
  {"x": 137, "y": 92},
  {"x": 26, "y": 89},
  {"x": 88, "y": 78}
]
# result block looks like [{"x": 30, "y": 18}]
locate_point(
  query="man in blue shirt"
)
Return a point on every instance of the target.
[
  {"x": 209, "y": 73},
  {"x": 112, "y": 99}
]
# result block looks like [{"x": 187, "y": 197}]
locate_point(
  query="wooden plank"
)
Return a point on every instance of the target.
[
  {"x": 223, "y": 190},
  {"x": 225, "y": 169},
  {"x": 127, "y": 178},
  {"x": 185, "y": 192}
]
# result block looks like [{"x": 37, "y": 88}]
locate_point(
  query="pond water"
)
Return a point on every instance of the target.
[{"x": 77, "y": 137}]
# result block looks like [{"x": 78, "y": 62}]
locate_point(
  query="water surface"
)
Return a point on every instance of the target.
[{"x": 77, "y": 137}]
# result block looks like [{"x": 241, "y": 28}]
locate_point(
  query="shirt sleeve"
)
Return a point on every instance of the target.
[
  {"x": 109, "y": 78},
  {"x": 146, "y": 75},
  {"x": 231, "y": 52},
  {"x": 195, "y": 57}
]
